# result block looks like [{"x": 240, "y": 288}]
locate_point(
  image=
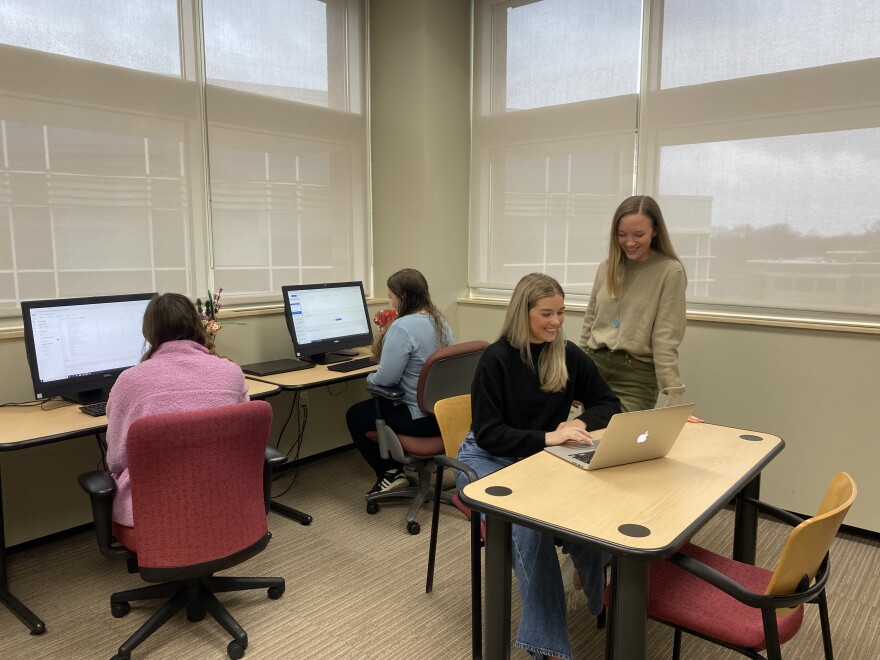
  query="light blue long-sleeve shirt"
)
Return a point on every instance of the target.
[{"x": 407, "y": 344}]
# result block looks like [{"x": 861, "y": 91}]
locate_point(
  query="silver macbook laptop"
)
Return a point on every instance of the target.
[{"x": 630, "y": 437}]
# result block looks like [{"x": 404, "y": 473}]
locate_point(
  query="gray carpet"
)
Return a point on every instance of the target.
[{"x": 355, "y": 589}]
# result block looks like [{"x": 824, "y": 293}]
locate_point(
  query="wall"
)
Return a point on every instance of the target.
[{"x": 420, "y": 117}]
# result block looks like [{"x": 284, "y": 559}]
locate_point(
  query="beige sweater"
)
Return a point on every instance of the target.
[{"x": 651, "y": 308}]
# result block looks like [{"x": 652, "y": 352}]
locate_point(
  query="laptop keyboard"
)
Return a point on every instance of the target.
[
  {"x": 584, "y": 456},
  {"x": 352, "y": 365}
]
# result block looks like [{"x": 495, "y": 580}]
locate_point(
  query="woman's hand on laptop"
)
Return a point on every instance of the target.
[
  {"x": 569, "y": 433},
  {"x": 695, "y": 420}
]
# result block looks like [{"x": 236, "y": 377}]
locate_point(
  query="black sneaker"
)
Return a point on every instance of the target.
[{"x": 394, "y": 480}]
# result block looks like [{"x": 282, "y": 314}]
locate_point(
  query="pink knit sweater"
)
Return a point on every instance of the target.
[{"x": 180, "y": 376}]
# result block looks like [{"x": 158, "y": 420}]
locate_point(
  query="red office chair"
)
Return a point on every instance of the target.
[
  {"x": 447, "y": 372},
  {"x": 748, "y": 608},
  {"x": 199, "y": 501}
]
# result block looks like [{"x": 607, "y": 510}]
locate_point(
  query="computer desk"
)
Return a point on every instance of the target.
[
  {"x": 306, "y": 379},
  {"x": 31, "y": 426},
  {"x": 637, "y": 513}
]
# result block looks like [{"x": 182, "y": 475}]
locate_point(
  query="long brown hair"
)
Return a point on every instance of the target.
[
  {"x": 636, "y": 205},
  {"x": 411, "y": 289},
  {"x": 551, "y": 368},
  {"x": 170, "y": 317}
]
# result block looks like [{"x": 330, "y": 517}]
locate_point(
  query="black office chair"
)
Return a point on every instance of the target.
[{"x": 447, "y": 372}]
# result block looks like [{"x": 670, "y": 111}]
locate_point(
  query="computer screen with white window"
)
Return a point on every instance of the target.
[
  {"x": 325, "y": 320},
  {"x": 77, "y": 347}
]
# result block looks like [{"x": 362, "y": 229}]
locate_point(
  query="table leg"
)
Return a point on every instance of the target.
[
  {"x": 628, "y": 617},
  {"x": 290, "y": 512},
  {"x": 28, "y": 618},
  {"x": 498, "y": 598},
  {"x": 745, "y": 530}
]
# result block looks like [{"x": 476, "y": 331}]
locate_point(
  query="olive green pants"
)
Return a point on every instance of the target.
[{"x": 633, "y": 381}]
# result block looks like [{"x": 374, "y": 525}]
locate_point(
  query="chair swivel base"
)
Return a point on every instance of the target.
[
  {"x": 418, "y": 496},
  {"x": 197, "y": 596}
]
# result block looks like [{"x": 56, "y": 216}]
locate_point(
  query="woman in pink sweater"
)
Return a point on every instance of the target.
[{"x": 179, "y": 372}]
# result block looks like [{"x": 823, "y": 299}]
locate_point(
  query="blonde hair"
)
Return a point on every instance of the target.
[
  {"x": 551, "y": 369},
  {"x": 636, "y": 205}
]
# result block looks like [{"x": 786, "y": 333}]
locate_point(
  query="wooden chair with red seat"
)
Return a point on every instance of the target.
[
  {"x": 454, "y": 419},
  {"x": 447, "y": 372},
  {"x": 747, "y": 608},
  {"x": 199, "y": 502}
]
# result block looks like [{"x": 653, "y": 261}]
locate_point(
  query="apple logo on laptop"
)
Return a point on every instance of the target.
[{"x": 642, "y": 438}]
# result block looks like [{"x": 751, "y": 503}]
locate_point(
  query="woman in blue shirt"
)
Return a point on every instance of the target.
[{"x": 406, "y": 343}]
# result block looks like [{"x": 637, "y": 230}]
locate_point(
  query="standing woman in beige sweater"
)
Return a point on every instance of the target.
[{"x": 636, "y": 319}]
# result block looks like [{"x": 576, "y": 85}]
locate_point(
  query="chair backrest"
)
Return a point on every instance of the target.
[
  {"x": 454, "y": 419},
  {"x": 808, "y": 543},
  {"x": 197, "y": 483},
  {"x": 448, "y": 371}
]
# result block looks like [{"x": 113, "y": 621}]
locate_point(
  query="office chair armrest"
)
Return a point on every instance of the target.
[
  {"x": 743, "y": 595},
  {"x": 394, "y": 393},
  {"x": 275, "y": 457},
  {"x": 788, "y": 517},
  {"x": 456, "y": 464},
  {"x": 101, "y": 489},
  {"x": 98, "y": 484}
]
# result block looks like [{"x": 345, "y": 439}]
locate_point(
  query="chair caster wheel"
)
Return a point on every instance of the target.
[
  {"x": 413, "y": 527},
  {"x": 235, "y": 650},
  {"x": 601, "y": 617},
  {"x": 194, "y": 612},
  {"x": 372, "y": 508},
  {"x": 275, "y": 592},
  {"x": 119, "y": 610}
]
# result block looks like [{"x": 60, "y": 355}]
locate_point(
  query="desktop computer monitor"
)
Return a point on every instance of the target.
[
  {"x": 77, "y": 347},
  {"x": 325, "y": 319}
]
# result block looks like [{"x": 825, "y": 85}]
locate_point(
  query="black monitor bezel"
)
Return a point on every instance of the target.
[
  {"x": 80, "y": 389},
  {"x": 326, "y": 351}
]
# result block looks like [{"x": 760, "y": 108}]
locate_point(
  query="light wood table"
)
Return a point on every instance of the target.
[
  {"x": 306, "y": 379},
  {"x": 54, "y": 421},
  {"x": 637, "y": 513},
  {"x": 317, "y": 376}
]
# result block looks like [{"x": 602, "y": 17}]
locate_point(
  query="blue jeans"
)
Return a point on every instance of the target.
[{"x": 542, "y": 627}]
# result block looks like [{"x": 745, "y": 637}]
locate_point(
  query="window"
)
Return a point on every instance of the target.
[
  {"x": 124, "y": 170},
  {"x": 554, "y": 135},
  {"x": 288, "y": 179},
  {"x": 757, "y": 129}
]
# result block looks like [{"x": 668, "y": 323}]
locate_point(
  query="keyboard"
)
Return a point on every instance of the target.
[
  {"x": 95, "y": 409},
  {"x": 584, "y": 456},
  {"x": 352, "y": 365}
]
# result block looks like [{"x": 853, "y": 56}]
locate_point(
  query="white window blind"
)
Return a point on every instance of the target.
[
  {"x": 104, "y": 178},
  {"x": 758, "y": 130},
  {"x": 287, "y": 132}
]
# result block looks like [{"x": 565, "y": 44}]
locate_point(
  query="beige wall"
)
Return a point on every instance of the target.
[
  {"x": 817, "y": 390},
  {"x": 420, "y": 89}
]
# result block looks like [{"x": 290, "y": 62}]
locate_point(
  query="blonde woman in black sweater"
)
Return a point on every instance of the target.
[{"x": 522, "y": 393}]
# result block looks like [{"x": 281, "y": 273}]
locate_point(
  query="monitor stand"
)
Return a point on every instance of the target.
[
  {"x": 88, "y": 396},
  {"x": 330, "y": 357}
]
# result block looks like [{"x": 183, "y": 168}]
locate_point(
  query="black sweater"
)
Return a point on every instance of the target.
[{"x": 510, "y": 412}]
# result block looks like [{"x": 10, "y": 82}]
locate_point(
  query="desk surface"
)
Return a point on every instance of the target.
[
  {"x": 668, "y": 499},
  {"x": 304, "y": 379},
  {"x": 25, "y": 426}
]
